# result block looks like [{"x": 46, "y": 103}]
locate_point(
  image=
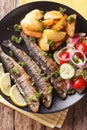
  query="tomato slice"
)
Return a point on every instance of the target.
[
  {"x": 80, "y": 83},
  {"x": 82, "y": 47},
  {"x": 64, "y": 57}
]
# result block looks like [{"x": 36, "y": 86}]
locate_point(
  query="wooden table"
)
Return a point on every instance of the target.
[{"x": 13, "y": 120}]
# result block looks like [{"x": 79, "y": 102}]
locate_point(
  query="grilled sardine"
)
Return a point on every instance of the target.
[
  {"x": 34, "y": 72},
  {"x": 47, "y": 65},
  {"x": 22, "y": 80}
]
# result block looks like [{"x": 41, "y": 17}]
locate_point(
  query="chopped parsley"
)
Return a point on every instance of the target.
[
  {"x": 62, "y": 10},
  {"x": 70, "y": 19},
  {"x": 56, "y": 73},
  {"x": 47, "y": 78},
  {"x": 32, "y": 39},
  {"x": 50, "y": 89},
  {"x": 17, "y": 27},
  {"x": 23, "y": 64},
  {"x": 63, "y": 24},
  {"x": 16, "y": 39},
  {"x": 35, "y": 97},
  {"x": 50, "y": 42},
  {"x": 71, "y": 91},
  {"x": 15, "y": 71},
  {"x": 11, "y": 53}
]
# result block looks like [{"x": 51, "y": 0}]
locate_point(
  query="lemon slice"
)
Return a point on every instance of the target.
[
  {"x": 1, "y": 69},
  {"x": 16, "y": 97},
  {"x": 5, "y": 84}
]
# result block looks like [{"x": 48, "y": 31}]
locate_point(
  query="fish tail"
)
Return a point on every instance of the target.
[{"x": 7, "y": 43}]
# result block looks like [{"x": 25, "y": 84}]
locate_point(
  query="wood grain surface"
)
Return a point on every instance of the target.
[{"x": 13, "y": 120}]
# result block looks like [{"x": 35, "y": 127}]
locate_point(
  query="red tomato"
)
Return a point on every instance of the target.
[
  {"x": 64, "y": 57},
  {"x": 82, "y": 47},
  {"x": 80, "y": 83}
]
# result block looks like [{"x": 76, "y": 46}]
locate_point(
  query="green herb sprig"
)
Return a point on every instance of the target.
[
  {"x": 16, "y": 39},
  {"x": 23, "y": 64},
  {"x": 17, "y": 27}
]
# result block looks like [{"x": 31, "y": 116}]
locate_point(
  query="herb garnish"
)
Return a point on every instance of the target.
[
  {"x": 70, "y": 19},
  {"x": 23, "y": 64},
  {"x": 16, "y": 39},
  {"x": 11, "y": 53},
  {"x": 17, "y": 27},
  {"x": 50, "y": 42},
  {"x": 32, "y": 39},
  {"x": 56, "y": 73},
  {"x": 47, "y": 78},
  {"x": 62, "y": 10},
  {"x": 35, "y": 97},
  {"x": 71, "y": 91},
  {"x": 15, "y": 71},
  {"x": 50, "y": 89}
]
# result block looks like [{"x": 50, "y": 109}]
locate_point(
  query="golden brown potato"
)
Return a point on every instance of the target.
[
  {"x": 48, "y": 22},
  {"x": 32, "y": 24},
  {"x": 35, "y": 14},
  {"x": 54, "y": 35},
  {"x": 70, "y": 28},
  {"x": 53, "y": 15},
  {"x": 60, "y": 24},
  {"x": 43, "y": 43},
  {"x": 31, "y": 33}
]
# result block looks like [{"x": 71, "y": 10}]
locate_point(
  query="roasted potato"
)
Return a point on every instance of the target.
[
  {"x": 70, "y": 28},
  {"x": 53, "y": 15},
  {"x": 54, "y": 35},
  {"x": 43, "y": 43},
  {"x": 32, "y": 24},
  {"x": 60, "y": 24},
  {"x": 31, "y": 33},
  {"x": 35, "y": 14},
  {"x": 48, "y": 22}
]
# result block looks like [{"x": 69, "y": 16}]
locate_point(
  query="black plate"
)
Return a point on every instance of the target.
[{"x": 14, "y": 17}]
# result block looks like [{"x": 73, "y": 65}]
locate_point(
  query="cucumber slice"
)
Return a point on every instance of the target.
[
  {"x": 66, "y": 71},
  {"x": 55, "y": 57}
]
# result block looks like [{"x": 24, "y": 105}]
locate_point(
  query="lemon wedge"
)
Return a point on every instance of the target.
[
  {"x": 5, "y": 84},
  {"x": 16, "y": 97},
  {"x": 1, "y": 69}
]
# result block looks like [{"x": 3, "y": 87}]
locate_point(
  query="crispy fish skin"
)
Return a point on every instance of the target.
[
  {"x": 22, "y": 80},
  {"x": 34, "y": 72},
  {"x": 47, "y": 65}
]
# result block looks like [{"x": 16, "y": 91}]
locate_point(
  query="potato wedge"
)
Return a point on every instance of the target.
[
  {"x": 35, "y": 14},
  {"x": 70, "y": 28},
  {"x": 43, "y": 43},
  {"x": 60, "y": 24},
  {"x": 32, "y": 24},
  {"x": 53, "y": 15},
  {"x": 48, "y": 22},
  {"x": 54, "y": 35},
  {"x": 31, "y": 33}
]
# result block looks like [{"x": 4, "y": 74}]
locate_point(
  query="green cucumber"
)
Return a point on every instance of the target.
[{"x": 67, "y": 71}]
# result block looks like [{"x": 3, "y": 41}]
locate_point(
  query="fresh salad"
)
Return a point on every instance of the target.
[{"x": 72, "y": 60}]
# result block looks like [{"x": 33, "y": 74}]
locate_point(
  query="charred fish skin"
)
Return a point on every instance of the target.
[
  {"x": 22, "y": 80},
  {"x": 47, "y": 65},
  {"x": 34, "y": 71}
]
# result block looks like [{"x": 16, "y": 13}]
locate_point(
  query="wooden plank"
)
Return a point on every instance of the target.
[
  {"x": 6, "y": 6},
  {"x": 6, "y": 118},
  {"x": 26, "y": 123}
]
